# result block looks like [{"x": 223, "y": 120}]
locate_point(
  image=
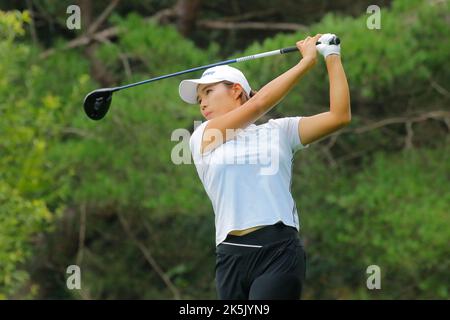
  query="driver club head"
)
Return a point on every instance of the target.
[{"x": 96, "y": 103}]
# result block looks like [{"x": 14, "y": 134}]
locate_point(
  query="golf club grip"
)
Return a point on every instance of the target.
[
  {"x": 288, "y": 49},
  {"x": 336, "y": 41},
  {"x": 292, "y": 49}
]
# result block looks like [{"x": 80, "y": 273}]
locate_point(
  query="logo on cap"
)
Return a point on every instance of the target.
[{"x": 208, "y": 73}]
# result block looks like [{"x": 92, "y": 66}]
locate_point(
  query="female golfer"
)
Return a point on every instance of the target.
[{"x": 246, "y": 170}]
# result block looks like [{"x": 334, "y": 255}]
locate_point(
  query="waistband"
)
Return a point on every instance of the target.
[{"x": 258, "y": 238}]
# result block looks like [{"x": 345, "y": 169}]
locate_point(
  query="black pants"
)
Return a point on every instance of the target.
[{"x": 266, "y": 264}]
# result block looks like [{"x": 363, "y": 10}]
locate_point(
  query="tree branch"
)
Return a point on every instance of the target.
[
  {"x": 407, "y": 121},
  {"x": 164, "y": 15},
  {"x": 32, "y": 25},
  {"x": 409, "y": 135},
  {"x": 84, "y": 293},
  {"x": 126, "y": 65},
  {"x": 150, "y": 259},
  {"x": 78, "y": 132},
  {"x": 102, "y": 17},
  {"x": 327, "y": 151},
  {"x": 211, "y": 24},
  {"x": 249, "y": 15},
  {"x": 437, "y": 114},
  {"x": 82, "y": 233},
  {"x": 436, "y": 86},
  {"x": 105, "y": 34}
]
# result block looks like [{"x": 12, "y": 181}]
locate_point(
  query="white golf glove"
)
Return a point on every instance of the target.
[{"x": 329, "y": 44}]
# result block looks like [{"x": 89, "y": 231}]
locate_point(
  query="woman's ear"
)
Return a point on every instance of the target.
[{"x": 237, "y": 90}]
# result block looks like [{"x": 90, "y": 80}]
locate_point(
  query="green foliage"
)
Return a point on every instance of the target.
[
  {"x": 31, "y": 116},
  {"x": 21, "y": 220},
  {"x": 123, "y": 165},
  {"x": 390, "y": 208},
  {"x": 150, "y": 49},
  {"x": 384, "y": 66},
  {"x": 11, "y": 24},
  {"x": 126, "y": 159},
  {"x": 386, "y": 215}
]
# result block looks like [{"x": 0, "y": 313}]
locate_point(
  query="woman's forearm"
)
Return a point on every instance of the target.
[
  {"x": 339, "y": 91},
  {"x": 273, "y": 92}
]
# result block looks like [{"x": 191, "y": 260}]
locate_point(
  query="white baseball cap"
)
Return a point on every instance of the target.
[{"x": 188, "y": 88}]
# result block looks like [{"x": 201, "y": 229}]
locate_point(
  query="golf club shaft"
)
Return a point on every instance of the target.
[{"x": 255, "y": 56}]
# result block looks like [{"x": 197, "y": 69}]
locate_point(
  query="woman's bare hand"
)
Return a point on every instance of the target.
[{"x": 308, "y": 48}]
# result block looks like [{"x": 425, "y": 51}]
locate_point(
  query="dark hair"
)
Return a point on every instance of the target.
[{"x": 244, "y": 97}]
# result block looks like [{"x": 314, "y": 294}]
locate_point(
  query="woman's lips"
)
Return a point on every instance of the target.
[{"x": 207, "y": 113}]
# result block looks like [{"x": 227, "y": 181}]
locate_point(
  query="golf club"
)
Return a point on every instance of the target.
[{"x": 97, "y": 103}]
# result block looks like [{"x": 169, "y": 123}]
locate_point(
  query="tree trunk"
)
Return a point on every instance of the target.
[
  {"x": 186, "y": 11},
  {"x": 97, "y": 69}
]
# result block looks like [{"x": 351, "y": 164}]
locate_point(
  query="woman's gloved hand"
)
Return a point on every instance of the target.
[{"x": 328, "y": 44}]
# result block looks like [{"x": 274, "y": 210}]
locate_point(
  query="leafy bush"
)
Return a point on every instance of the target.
[
  {"x": 21, "y": 221},
  {"x": 388, "y": 208},
  {"x": 394, "y": 214}
]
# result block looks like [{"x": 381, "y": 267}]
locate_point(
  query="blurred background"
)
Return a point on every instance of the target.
[{"x": 106, "y": 196}]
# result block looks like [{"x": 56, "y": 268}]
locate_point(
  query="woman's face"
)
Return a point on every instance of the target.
[{"x": 216, "y": 99}]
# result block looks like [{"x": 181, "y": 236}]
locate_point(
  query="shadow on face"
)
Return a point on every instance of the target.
[{"x": 218, "y": 98}]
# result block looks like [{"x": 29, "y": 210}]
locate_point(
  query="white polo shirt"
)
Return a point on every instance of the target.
[{"x": 248, "y": 178}]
